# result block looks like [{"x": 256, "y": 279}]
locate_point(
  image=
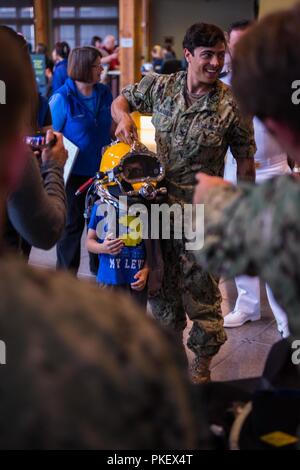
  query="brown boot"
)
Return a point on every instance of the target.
[{"x": 199, "y": 369}]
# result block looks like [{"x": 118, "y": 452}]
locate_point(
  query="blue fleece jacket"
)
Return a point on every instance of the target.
[
  {"x": 60, "y": 75},
  {"x": 85, "y": 121}
]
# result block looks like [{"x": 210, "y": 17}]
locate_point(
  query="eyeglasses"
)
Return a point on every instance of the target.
[{"x": 98, "y": 66}]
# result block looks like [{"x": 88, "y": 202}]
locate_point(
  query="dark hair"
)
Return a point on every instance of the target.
[
  {"x": 265, "y": 64},
  {"x": 21, "y": 94},
  {"x": 202, "y": 35},
  {"x": 62, "y": 49},
  {"x": 239, "y": 26},
  {"x": 95, "y": 39},
  {"x": 80, "y": 63}
]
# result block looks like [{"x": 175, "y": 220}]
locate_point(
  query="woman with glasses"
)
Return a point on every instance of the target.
[{"x": 81, "y": 111}]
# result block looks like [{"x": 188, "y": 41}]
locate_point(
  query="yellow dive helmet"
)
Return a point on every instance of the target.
[{"x": 133, "y": 169}]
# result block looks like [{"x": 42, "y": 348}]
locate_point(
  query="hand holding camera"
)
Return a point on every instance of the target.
[
  {"x": 48, "y": 146},
  {"x": 55, "y": 150}
]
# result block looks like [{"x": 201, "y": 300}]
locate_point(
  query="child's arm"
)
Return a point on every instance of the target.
[
  {"x": 109, "y": 246},
  {"x": 141, "y": 278}
]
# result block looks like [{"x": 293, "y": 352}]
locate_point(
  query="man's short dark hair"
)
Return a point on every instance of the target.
[
  {"x": 239, "y": 26},
  {"x": 265, "y": 64},
  {"x": 80, "y": 63},
  {"x": 202, "y": 35}
]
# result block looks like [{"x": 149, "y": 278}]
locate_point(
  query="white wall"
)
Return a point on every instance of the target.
[{"x": 173, "y": 17}]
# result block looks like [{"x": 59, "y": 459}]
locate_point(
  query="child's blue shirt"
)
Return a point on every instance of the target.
[{"x": 117, "y": 269}]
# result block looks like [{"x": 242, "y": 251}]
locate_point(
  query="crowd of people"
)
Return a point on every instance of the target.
[{"x": 87, "y": 368}]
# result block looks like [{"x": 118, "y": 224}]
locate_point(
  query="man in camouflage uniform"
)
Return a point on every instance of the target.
[
  {"x": 256, "y": 230},
  {"x": 196, "y": 119}
]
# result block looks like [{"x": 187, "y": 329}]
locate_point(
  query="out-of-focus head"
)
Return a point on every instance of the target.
[
  {"x": 236, "y": 32},
  {"x": 84, "y": 64},
  {"x": 157, "y": 52},
  {"x": 265, "y": 67},
  {"x": 109, "y": 42},
  {"x": 61, "y": 51},
  {"x": 18, "y": 110},
  {"x": 96, "y": 42},
  {"x": 93, "y": 378}
]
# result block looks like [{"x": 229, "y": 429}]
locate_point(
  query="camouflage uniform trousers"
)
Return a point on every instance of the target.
[{"x": 188, "y": 289}]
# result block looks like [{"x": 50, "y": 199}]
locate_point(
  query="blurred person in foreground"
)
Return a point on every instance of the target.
[
  {"x": 74, "y": 379},
  {"x": 270, "y": 160},
  {"x": 255, "y": 230},
  {"x": 36, "y": 209}
]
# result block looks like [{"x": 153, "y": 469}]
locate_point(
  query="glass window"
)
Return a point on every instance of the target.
[
  {"x": 87, "y": 31},
  {"x": 28, "y": 32},
  {"x": 27, "y": 12},
  {"x": 66, "y": 32},
  {"x": 98, "y": 12},
  {"x": 7, "y": 12},
  {"x": 64, "y": 12}
]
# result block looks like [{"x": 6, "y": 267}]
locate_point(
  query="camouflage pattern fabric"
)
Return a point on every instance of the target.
[
  {"x": 255, "y": 230},
  {"x": 187, "y": 288},
  {"x": 195, "y": 138},
  {"x": 189, "y": 140}
]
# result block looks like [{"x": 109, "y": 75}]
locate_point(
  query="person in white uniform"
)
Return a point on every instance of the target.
[{"x": 270, "y": 161}]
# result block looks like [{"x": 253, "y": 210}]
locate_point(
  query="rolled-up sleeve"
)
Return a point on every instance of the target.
[
  {"x": 241, "y": 137},
  {"x": 141, "y": 96}
]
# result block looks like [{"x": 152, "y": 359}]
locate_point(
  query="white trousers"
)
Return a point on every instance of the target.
[{"x": 248, "y": 300}]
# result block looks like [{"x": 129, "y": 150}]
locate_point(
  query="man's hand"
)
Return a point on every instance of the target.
[
  {"x": 126, "y": 130},
  {"x": 141, "y": 281},
  {"x": 57, "y": 153},
  {"x": 204, "y": 184},
  {"x": 111, "y": 246}
]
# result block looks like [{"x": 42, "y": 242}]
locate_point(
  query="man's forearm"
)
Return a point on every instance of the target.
[
  {"x": 119, "y": 107},
  {"x": 126, "y": 130},
  {"x": 246, "y": 169}
]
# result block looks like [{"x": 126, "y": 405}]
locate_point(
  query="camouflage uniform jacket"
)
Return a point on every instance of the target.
[
  {"x": 256, "y": 230},
  {"x": 195, "y": 138}
]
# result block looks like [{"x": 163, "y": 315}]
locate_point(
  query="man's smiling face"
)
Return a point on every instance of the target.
[{"x": 206, "y": 63}]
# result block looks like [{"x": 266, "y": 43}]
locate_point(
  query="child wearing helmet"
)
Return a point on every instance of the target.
[{"x": 113, "y": 234}]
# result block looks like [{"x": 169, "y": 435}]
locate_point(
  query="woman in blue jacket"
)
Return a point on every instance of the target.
[
  {"x": 60, "y": 56},
  {"x": 81, "y": 111}
]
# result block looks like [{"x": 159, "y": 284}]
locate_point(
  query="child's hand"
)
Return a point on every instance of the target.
[
  {"x": 141, "y": 281},
  {"x": 112, "y": 246}
]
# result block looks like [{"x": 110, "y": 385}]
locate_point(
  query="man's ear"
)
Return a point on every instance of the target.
[
  {"x": 187, "y": 54},
  {"x": 282, "y": 132}
]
